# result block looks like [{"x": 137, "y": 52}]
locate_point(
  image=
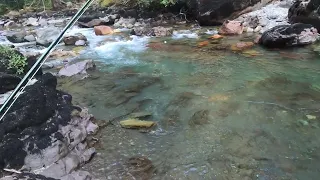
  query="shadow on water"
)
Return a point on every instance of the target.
[{"x": 219, "y": 114}]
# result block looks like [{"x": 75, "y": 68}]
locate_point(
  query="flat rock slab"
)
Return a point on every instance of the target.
[
  {"x": 136, "y": 124},
  {"x": 77, "y": 68}
]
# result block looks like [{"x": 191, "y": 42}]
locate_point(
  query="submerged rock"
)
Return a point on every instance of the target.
[
  {"x": 199, "y": 118},
  {"x": 77, "y": 68},
  {"x": 140, "y": 168},
  {"x": 141, "y": 114},
  {"x": 240, "y": 46},
  {"x": 135, "y": 123},
  {"x": 289, "y": 35},
  {"x": 231, "y": 28}
]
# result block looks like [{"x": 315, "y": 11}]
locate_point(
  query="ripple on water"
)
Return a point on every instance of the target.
[{"x": 230, "y": 117}]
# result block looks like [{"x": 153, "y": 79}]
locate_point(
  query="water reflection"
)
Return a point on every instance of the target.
[{"x": 220, "y": 114}]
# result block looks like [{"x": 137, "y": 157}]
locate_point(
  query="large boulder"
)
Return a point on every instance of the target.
[
  {"x": 95, "y": 22},
  {"x": 215, "y": 12},
  {"x": 45, "y": 36},
  {"x": 231, "y": 28},
  {"x": 43, "y": 133},
  {"x": 77, "y": 39},
  {"x": 102, "y": 30},
  {"x": 306, "y": 12},
  {"x": 77, "y": 68},
  {"x": 17, "y": 37},
  {"x": 289, "y": 35},
  {"x": 267, "y": 17}
]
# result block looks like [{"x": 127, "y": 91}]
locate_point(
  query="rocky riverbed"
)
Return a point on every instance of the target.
[{"x": 204, "y": 102}]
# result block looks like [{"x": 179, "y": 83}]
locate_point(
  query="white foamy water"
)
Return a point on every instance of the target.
[
  {"x": 112, "y": 49},
  {"x": 122, "y": 51},
  {"x": 184, "y": 34}
]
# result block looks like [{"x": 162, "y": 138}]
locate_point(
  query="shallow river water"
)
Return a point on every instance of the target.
[{"x": 220, "y": 115}]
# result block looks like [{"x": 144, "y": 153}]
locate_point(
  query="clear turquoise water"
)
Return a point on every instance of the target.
[{"x": 255, "y": 126}]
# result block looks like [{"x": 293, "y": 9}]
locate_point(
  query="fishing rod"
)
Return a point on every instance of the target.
[{"x": 35, "y": 68}]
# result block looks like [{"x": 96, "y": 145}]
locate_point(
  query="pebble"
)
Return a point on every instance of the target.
[
  {"x": 257, "y": 29},
  {"x": 249, "y": 30},
  {"x": 311, "y": 117},
  {"x": 303, "y": 122}
]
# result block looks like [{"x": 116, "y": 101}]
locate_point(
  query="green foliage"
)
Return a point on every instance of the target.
[
  {"x": 17, "y": 62},
  {"x": 13, "y": 4},
  {"x": 168, "y": 2}
]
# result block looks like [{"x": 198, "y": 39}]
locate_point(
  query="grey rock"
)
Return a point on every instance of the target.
[
  {"x": 45, "y": 36},
  {"x": 78, "y": 38},
  {"x": 16, "y": 37},
  {"x": 30, "y": 38},
  {"x": 31, "y": 22},
  {"x": 125, "y": 22},
  {"x": 77, "y": 68}
]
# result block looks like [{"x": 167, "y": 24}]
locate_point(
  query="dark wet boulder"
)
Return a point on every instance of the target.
[
  {"x": 8, "y": 82},
  {"x": 289, "y": 35},
  {"x": 44, "y": 130},
  {"x": 95, "y": 22},
  {"x": 77, "y": 39},
  {"x": 17, "y": 37},
  {"x": 307, "y": 12},
  {"x": 215, "y": 12}
]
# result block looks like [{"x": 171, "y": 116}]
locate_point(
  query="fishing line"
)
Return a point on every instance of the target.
[{"x": 35, "y": 68}]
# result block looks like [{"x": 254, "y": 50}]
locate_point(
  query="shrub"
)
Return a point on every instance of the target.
[{"x": 16, "y": 61}]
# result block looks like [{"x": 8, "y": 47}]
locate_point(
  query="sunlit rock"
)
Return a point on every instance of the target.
[
  {"x": 103, "y": 30},
  {"x": 136, "y": 124},
  {"x": 231, "y": 28},
  {"x": 77, "y": 68}
]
